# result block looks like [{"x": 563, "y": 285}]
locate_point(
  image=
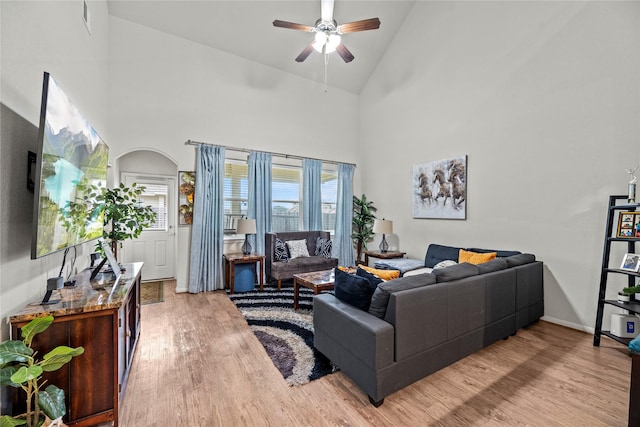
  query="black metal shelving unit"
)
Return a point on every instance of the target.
[{"x": 609, "y": 238}]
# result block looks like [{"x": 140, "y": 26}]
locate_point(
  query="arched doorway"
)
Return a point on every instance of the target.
[{"x": 156, "y": 246}]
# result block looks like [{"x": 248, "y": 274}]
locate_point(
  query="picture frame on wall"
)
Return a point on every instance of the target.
[
  {"x": 186, "y": 195},
  {"x": 629, "y": 225},
  {"x": 631, "y": 262},
  {"x": 440, "y": 189}
]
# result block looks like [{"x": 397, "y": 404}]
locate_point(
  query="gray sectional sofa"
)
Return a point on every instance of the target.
[
  {"x": 419, "y": 324},
  {"x": 285, "y": 269}
]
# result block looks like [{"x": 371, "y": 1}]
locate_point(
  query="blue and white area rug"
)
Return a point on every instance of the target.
[{"x": 285, "y": 334}]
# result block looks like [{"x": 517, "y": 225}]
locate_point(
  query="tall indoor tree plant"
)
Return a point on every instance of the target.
[
  {"x": 124, "y": 215},
  {"x": 362, "y": 222}
]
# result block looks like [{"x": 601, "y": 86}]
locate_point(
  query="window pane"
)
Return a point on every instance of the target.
[
  {"x": 285, "y": 216},
  {"x": 156, "y": 196},
  {"x": 286, "y": 195},
  {"x": 285, "y": 212},
  {"x": 236, "y": 193},
  {"x": 329, "y": 191}
]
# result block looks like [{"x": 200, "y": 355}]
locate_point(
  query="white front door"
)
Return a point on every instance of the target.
[{"x": 156, "y": 245}]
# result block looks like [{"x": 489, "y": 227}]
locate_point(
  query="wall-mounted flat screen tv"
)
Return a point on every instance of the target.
[{"x": 71, "y": 157}]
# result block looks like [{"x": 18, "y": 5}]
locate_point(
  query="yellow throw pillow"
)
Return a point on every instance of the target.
[
  {"x": 383, "y": 274},
  {"x": 475, "y": 257}
]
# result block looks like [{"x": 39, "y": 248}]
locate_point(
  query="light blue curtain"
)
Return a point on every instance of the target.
[
  {"x": 259, "y": 203},
  {"x": 343, "y": 244},
  {"x": 311, "y": 194},
  {"x": 207, "y": 230}
]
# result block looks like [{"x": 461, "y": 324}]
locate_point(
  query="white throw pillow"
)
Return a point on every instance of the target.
[
  {"x": 298, "y": 248},
  {"x": 444, "y": 264}
]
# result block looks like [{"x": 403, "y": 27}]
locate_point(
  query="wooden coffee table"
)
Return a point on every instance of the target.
[{"x": 317, "y": 281}]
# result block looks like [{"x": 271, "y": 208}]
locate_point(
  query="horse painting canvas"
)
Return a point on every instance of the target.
[{"x": 440, "y": 189}]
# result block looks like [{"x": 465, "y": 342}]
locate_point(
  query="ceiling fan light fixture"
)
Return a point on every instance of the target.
[
  {"x": 320, "y": 41},
  {"x": 332, "y": 43},
  {"x": 326, "y": 40},
  {"x": 327, "y": 33}
]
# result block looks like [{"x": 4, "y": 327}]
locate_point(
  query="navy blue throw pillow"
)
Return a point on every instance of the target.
[
  {"x": 372, "y": 278},
  {"x": 323, "y": 247},
  {"x": 280, "y": 252},
  {"x": 352, "y": 289}
]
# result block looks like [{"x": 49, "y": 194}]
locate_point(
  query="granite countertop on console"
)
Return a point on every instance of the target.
[{"x": 85, "y": 297}]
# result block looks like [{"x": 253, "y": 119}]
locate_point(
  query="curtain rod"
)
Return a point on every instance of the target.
[{"x": 286, "y": 156}]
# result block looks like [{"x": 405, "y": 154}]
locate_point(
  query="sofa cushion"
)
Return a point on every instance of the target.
[
  {"x": 417, "y": 271},
  {"x": 437, "y": 253},
  {"x": 298, "y": 248},
  {"x": 382, "y": 273},
  {"x": 280, "y": 253},
  {"x": 493, "y": 265},
  {"x": 323, "y": 247},
  {"x": 475, "y": 257},
  {"x": 499, "y": 253},
  {"x": 520, "y": 259},
  {"x": 284, "y": 270},
  {"x": 380, "y": 298},
  {"x": 352, "y": 289},
  {"x": 455, "y": 272}
]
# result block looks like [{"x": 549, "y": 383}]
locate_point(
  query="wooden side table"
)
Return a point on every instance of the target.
[
  {"x": 230, "y": 261},
  {"x": 382, "y": 255}
]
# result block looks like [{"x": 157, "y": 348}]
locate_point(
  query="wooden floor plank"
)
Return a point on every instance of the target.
[{"x": 198, "y": 364}]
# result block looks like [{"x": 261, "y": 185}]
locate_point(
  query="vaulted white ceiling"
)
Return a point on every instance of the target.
[{"x": 245, "y": 29}]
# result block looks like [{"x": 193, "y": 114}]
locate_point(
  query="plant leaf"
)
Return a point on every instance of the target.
[
  {"x": 14, "y": 351},
  {"x": 25, "y": 374},
  {"x": 5, "y": 376},
  {"x": 51, "y": 401},
  {"x": 37, "y": 325},
  {"x": 57, "y": 357},
  {"x": 7, "y": 421}
]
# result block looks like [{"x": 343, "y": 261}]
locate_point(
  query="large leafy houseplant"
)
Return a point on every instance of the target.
[
  {"x": 124, "y": 215},
  {"x": 20, "y": 368},
  {"x": 362, "y": 223}
]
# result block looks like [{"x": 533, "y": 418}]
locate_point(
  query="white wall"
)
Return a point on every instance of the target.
[
  {"x": 544, "y": 98},
  {"x": 36, "y": 37},
  {"x": 165, "y": 90}
]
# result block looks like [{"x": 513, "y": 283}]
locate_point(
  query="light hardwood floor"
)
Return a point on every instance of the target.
[{"x": 198, "y": 364}]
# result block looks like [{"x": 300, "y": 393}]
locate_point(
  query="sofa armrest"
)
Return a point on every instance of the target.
[
  {"x": 269, "y": 248},
  {"x": 343, "y": 332}
]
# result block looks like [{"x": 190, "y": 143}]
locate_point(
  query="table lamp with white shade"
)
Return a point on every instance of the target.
[
  {"x": 383, "y": 226},
  {"x": 246, "y": 227}
]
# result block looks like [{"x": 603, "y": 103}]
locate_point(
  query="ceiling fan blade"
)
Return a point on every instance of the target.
[
  {"x": 326, "y": 10},
  {"x": 365, "y": 24},
  {"x": 292, "y": 25},
  {"x": 344, "y": 53},
  {"x": 305, "y": 53}
]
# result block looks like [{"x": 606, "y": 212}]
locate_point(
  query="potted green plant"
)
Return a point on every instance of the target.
[
  {"x": 20, "y": 368},
  {"x": 124, "y": 216},
  {"x": 632, "y": 291},
  {"x": 362, "y": 223}
]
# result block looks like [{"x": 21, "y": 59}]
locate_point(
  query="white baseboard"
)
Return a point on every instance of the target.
[{"x": 571, "y": 325}]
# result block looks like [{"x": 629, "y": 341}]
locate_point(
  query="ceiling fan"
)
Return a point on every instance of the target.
[{"x": 328, "y": 32}]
